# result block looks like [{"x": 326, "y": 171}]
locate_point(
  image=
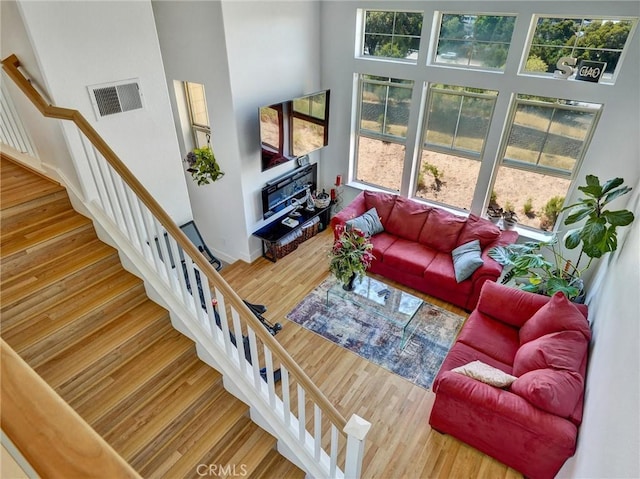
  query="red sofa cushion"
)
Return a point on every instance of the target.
[
  {"x": 441, "y": 230},
  {"x": 561, "y": 350},
  {"x": 440, "y": 272},
  {"x": 382, "y": 202},
  {"x": 407, "y": 218},
  {"x": 495, "y": 339},
  {"x": 559, "y": 314},
  {"x": 461, "y": 354},
  {"x": 552, "y": 390},
  {"x": 480, "y": 229},
  {"x": 409, "y": 256},
  {"x": 381, "y": 243}
]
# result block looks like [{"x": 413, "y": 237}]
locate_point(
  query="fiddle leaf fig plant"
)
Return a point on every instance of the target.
[
  {"x": 543, "y": 264},
  {"x": 203, "y": 166},
  {"x": 598, "y": 234}
]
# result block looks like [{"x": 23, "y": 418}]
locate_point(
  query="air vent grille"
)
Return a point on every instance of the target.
[{"x": 115, "y": 98}]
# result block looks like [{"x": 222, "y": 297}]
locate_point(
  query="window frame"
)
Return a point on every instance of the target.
[
  {"x": 435, "y": 43},
  {"x": 535, "y": 168},
  {"x": 195, "y": 126},
  {"x": 363, "y": 32},
  {"x": 532, "y": 32}
]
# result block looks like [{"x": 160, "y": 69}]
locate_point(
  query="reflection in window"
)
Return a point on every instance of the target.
[
  {"x": 392, "y": 34},
  {"x": 476, "y": 41},
  {"x": 455, "y": 130},
  {"x": 384, "y": 116},
  {"x": 546, "y": 141},
  {"x": 309, "y": 128},
  {"x": 600, "y": 40}
]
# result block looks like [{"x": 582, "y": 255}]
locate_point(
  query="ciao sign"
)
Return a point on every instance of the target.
[
  {"x": 585, "y": 71},
  {"x": 590, "y": 71}
]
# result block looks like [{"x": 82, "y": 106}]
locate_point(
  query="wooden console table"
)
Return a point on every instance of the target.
[{"x": 278, "y": 239}]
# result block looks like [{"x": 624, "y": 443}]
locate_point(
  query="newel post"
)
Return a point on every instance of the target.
[{"x": 356, "y": 430}]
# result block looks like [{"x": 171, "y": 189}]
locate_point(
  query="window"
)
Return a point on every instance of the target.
[
  {"x": 600, "y": 40},
  {"x": 198, "y": 114},
  {"x": 392, "y": 34},
  {"x": 475, "y": 41},
  {"x": 454, "y": 134},
  {"x": 384, "y": 117},
  {"x": 545, "y": 143}
]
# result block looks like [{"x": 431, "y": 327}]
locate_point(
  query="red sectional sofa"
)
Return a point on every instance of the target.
[
  {"x": 532, "y": 424},
  {"x": 415, "y": 247}
]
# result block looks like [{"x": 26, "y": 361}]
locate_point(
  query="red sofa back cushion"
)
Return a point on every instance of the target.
[
  {"x": 407, "y": 218},
  {"x": 441, "y": 230},
  {"x": 480, "y": 229},
  {"x": 382, "y": 202},
  {"x": 559, "y": 314},
  {"x": 561, "y": 350},
  {"x": 551, "y": 390}
]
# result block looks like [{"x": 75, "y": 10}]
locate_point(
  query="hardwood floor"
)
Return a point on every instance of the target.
[{"x": 400, "y": 443}]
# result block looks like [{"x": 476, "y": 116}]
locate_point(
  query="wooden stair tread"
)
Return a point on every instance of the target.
[
  {"x": 115, "y": 334},
  {"x": 247, "y": 449},
  {"x": 176, "y": 398},
  {"x": 276, "y": 465},
  {"x": 14, "y": 219},
  {"x": 21, "y": 286},
  {"x": 56, "y": 292},
  {"x": 205, "y": 445},
  {"x": 123, "y": 384},
  {"x": 54, "y": 228},
  {"x": 64, "y": 321},
  {"x": 25, "y": 257}
]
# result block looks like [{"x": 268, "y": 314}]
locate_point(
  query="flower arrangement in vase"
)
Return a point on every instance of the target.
[{"x": 350, "y": 256}]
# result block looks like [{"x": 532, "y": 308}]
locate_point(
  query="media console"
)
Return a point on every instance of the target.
[{"x": 279, "y": 240}]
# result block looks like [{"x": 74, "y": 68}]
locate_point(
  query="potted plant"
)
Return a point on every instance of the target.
[
  {"x": 494, "y": 213},
  {"x": 598, "y": 234},
  {"x": 350, "y": 256},
  {"x": 509, "y": 219},
  {"x": 527, "y": 263},
  {"x": 552, "y": 272},
  {"x": 203, "y": 166}
]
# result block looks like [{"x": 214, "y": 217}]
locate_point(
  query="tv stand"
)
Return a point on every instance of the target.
[{"x": 278, "y": 239}]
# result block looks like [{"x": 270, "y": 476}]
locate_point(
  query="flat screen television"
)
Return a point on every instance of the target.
[{"x": 294, "y": 128}]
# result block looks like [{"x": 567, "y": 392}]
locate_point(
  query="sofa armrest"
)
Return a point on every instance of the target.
[
  {"x": 502, "y": 424},
  {"x": 354, "y": 209}
]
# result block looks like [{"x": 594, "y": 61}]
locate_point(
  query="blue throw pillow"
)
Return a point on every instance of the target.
[
  {"x": 368, "y": 223},
  {"x": 466, "y": 259}
]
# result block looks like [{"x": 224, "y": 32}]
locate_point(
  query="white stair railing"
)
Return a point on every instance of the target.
[
  {"x": 312, "y": 433},
  {"x": 12, "y": 130}
]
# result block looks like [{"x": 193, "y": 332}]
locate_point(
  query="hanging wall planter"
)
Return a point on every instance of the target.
[{"x": 203, "y": 166}]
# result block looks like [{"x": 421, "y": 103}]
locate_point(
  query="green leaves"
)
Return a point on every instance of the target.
[{"x": 598, "y": 235}]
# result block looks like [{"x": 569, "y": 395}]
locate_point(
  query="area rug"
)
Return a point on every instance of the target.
[{"x": 374, "y": 338}]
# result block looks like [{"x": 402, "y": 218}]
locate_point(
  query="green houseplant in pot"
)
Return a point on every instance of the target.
[
  {"x": 203, "y": 166},
  {"x": 350, "y": 256},
  {"x": 552, "y": 272}
]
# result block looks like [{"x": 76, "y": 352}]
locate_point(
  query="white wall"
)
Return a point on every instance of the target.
[
  {"x": 609, "y": 438},
  {"x": 247, "y": 54},
  {"x": 78, "y": 44},
  {"x": 46, "y": 133}
]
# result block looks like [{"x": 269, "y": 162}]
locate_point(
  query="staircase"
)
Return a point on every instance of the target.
[{"x": 86, "y": 326}]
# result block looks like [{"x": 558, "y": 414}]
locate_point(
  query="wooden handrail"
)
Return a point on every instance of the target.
[
  {"x": 10, "y": 66},
  {"x": 50, "y": 435}
]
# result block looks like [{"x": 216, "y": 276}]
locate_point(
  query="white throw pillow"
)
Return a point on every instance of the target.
[
  {"x": 486, "y": 374},
  {"x": 466, "y": 259}
]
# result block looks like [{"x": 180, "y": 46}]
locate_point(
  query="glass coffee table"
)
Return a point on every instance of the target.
[{"x": 396, "y": 306}]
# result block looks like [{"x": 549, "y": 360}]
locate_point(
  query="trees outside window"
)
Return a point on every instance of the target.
[{"x": 600, "y": 40}]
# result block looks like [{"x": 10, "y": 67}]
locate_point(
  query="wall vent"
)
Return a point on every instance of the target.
[{"x": 115, "y": 97}]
